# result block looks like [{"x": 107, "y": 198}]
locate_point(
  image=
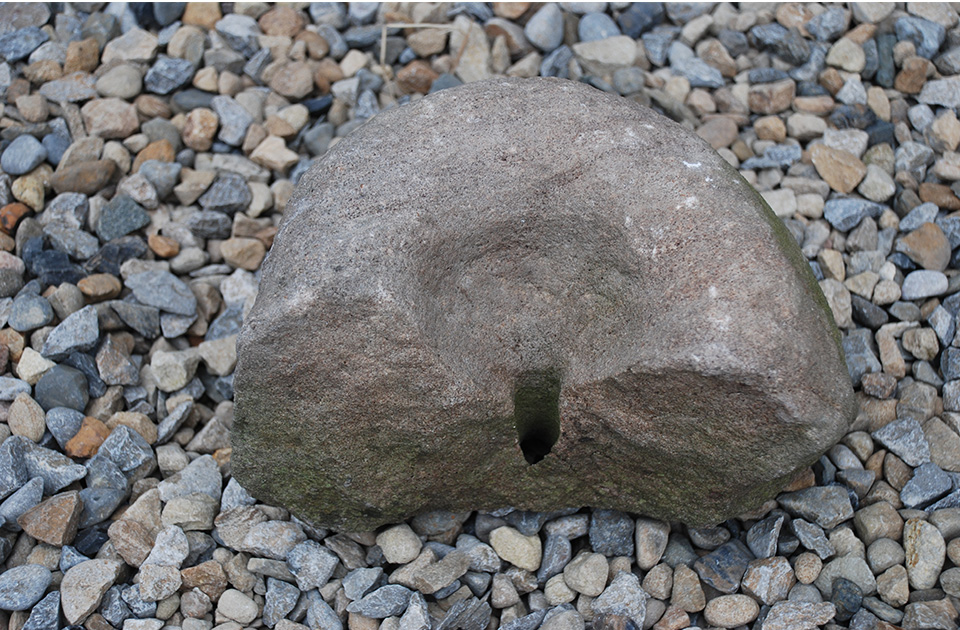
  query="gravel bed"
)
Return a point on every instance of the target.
[{"x": 147, "y": 153}]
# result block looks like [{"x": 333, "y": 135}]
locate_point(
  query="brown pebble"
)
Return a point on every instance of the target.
[
  {"x": 14, "y": 343},
  {"x": 55, "y": 520},
  {"x": 10, "y": 216},
  {"x": 875, "y": 463},
  {"x": 771, "y": 98},
  {"x": 151, "y": 106},
  {"x": 896, "y": 472},
  {"x": 840, "y": 169},
  {"x": 831, "y": 80},
  {"x": 329, "y": 70},
  {"x": 912, "y": 76},
  {"x": 510, "y": 10},
  {"x": 878, "y": 385},
  {"x": 317, "y": 47},
  {"x": 282, "y": 20},
  {"x": 33, "y": 108},
  {"x": 200, "y": 128},
  {"x": 17, "y": 87},
  {"x": 82, "y": 56},
  {"x": 927, "y": 246},
  {"x": 100, "y": 286},
  {"x": 208, "y": 576},
  {"x": 416, "y": 76},
  {"x": 163, "y": 246},
  {"x": 88, "y": 439},
  {"x": 136, "y": 421},
  {"x": 42, "y": 71},
  {"x": 940, "y": 195},
  {"x": 87, "y": 177},
  {"x": 205, "y": 14},
  {"x": 158, "y": 150}
]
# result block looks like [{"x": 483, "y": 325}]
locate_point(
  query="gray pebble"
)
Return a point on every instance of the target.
[
  {"x": 846, "y": 214},
  {"x": 623, "y": 597},
  {"x": 168, "y": 74},
  {"x": 280, "y": 600},
  {"x": 19, "y": 502},
  {"x": 139, "y": 607},
  {"x": 10, "y": 387},
  {"x": 312, "y": 564},
  {"x": 699, "y": 73},
  {"x": 905, "y": 439},
  {"x": 23, "y": 155},
  {"x": 202, "y": 476},
  {"x": 121, "y": 216},
  {"x": 829, "y": 25},
  {"x": 163, "y": 175},
  {"x": 595, "y": 26},
  {"x": 811, "y": 536},
  {"x": 859, "y": 353},
  {"x": 79, "y": 332},
  {"x": 228, "y": 193},
  {"x": 13, "y": 467},
  {"x": 359, "y": 582},
  {"x": 338, "y": 47},
  {"x": 70, "y": 557},
  {"x": 113, "y": 608},
  {"x": 45, "y": 615},
  {"x": 723, "y": 567},
  {"x": 62, "y": 386},
  {"x": 69, "y": 208},
  {"x": 545, "y": 28},
  {"x": 557, "y": 552},
  {"x": 929, "y": 483},
  {"x": 76, "y": 243},
  {"x": 172, "y": 423},
  {"x": 320, "y": 614},
  {"x": 826, "y": 506},
  {"x": 129, "y": 452},
  {"x": 57, "y": 470},
  {"x": 22, "y": 587},
  {"x": 234, "y": 120},
  {"x": 99, "y": 504},
  {"x": 20, "y": 43},
  {"x": 30, "y": 312},
  {"x": 240, "y": 32},
  {"x": 384, "y": 602},
  {"x": 927, "y": 36},
  {"x": 144, "y": 320},
  {"x": 163, "y": 290},
  {"x": 556, "y": 64},
  {"x": 63, "y": 423},
  {"x": 527, "y": 622},
  {"x": 611, "y": 533},
  {"x": 762, "y": 536}
]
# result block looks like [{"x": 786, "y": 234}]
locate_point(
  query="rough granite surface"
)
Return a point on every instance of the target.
[{"x": 470, "y": 306}]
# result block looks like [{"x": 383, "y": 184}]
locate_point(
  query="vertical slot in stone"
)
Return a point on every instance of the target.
[{"x": 536, "y": 404}]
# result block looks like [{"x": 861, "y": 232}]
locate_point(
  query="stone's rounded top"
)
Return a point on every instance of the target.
[
  {"x": 535, "y": 258},
  {"x": 551, "y": 183}
]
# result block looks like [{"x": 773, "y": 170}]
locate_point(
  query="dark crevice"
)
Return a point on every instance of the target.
[{"x": 536, "y": 404}]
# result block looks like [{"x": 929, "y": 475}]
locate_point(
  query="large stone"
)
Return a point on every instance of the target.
[{"x": 545, "y": 321}]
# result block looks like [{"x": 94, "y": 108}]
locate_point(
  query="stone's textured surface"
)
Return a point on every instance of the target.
[
  {"x": 84, "y": 585},
  {"x": 925, "y": 553},
  {"x": 579, "y": 348},
  {"x": 178, "y": 135},
  {"x": 22, "y": 587},
  {"x": 796, "y": 615}
]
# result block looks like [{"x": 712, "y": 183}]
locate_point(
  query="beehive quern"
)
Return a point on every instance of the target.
[{"x": 530, "y": 293}]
